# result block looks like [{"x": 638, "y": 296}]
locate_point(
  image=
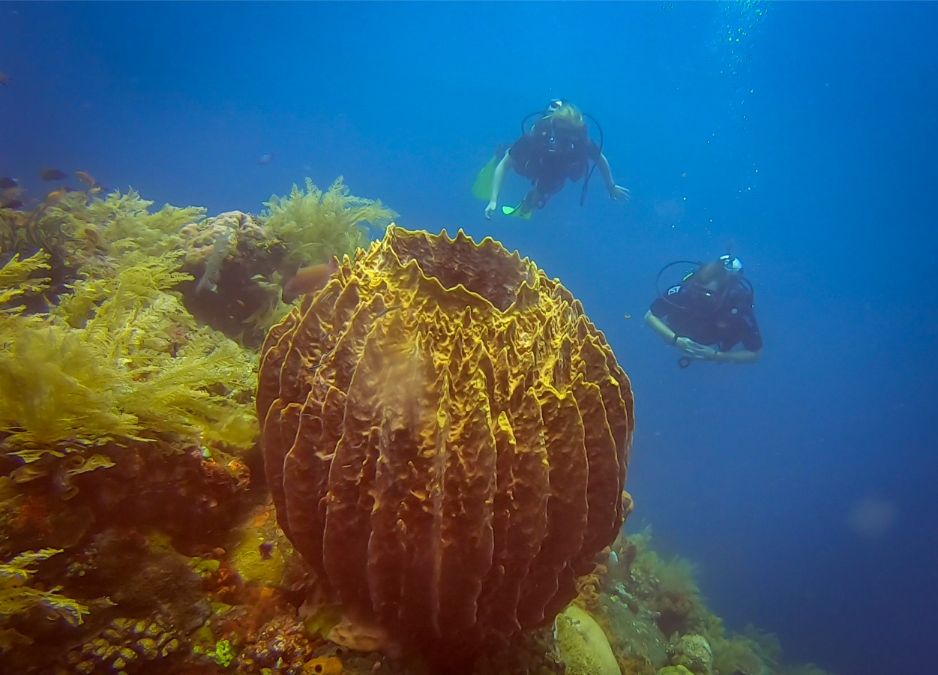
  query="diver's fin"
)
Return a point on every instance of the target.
[
  {"x": 520, "y": 211},
  {"x": 482, "y": 187}
]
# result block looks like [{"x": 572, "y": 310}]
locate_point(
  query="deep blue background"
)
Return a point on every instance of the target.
[{"x": 800, "y": 136}]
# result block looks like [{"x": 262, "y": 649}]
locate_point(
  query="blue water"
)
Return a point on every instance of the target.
[{"x": 800, "y": 136}]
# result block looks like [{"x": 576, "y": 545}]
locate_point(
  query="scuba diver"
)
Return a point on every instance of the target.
[
  {"x": 556, "y": 148},
  {"x": 708, "y": 313}
]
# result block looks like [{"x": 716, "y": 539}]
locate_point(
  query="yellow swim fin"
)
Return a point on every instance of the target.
[
  {"x": 519, "y": 211},
  {"x": 482, "y": 187}
]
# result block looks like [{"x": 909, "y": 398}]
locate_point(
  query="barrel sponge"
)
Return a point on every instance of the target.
[{"x": 446, "y": 437}]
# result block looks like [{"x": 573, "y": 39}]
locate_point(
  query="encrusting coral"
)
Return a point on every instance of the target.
[{"x": 446, "y": 439}]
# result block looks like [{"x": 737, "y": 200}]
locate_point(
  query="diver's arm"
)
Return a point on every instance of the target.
[
  {"x": 740, "y": 356},
  {"x": 615, "y": 191},
  {"x": 660, "y": 327},
  {"x": 751, "y": 341},
  {"x": 498, "y": 177}
]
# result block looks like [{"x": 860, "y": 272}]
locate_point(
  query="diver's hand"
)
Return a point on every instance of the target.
[
  {"x": 619, "y": 193},
  {"x": 490, "y": 209},
  {"x": 695, "y": 350}
]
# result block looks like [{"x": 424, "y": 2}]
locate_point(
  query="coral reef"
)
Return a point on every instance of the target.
[
  {"x": 234, "y": 263},
  {"x": 240, "y": 262},
  {"x": 693, "y": 652},
  {"x": 137, "y": 533},
  {"x": 446, "y": 438},
  {"x": 652, "y": 610},
  {"x": 236, "y": 275}
]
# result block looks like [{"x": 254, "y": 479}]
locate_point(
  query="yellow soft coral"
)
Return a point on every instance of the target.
[
  {"x": 119, "y": 223},
  {"x": 17, "y": 596},
  {"x": 313, "y": 225},
  {"x": 18, "y": 277},
  {"x": 121, "y": 358}
]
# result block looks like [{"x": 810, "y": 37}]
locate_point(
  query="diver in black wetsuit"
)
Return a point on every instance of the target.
[
  {"x": 708, "y": 314},
  {"x": 556, "y": 149}
]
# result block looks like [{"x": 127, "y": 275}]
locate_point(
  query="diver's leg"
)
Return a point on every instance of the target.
[
  {"x": 544, "y": 188},
  {"x": 533, "y": 200}
]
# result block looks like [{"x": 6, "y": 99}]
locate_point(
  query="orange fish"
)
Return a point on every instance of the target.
[
  {"x": 308, "y": 280},
  {"x": 56, "y": 195},
  {"x": 86, "y": 178}
]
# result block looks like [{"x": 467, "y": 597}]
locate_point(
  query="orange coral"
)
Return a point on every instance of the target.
[
  {"x": 446, "y": 438},
  {"x": 34, "y": 514},
  {"x": 588, "y": 588}
]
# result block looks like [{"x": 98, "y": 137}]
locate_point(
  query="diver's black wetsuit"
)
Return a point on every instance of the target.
[
  {"x": 690, "y": 312},
  {"x": 551, "y": 153}
]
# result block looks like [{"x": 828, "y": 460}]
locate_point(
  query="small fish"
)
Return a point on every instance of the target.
[
  {"x": 11, "y": 204},
  {"x": 310, "y": 279},
  {"x": 56, "y": 195},
  {"x": 86, "y": 178},
  {"x": 7, "y": 182},
  {"x": 266, "y": 158},
  {"x": 52, "y": 174},
  {"x": 627, "y": 316},
  {"x": 4, "y": 78}
]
